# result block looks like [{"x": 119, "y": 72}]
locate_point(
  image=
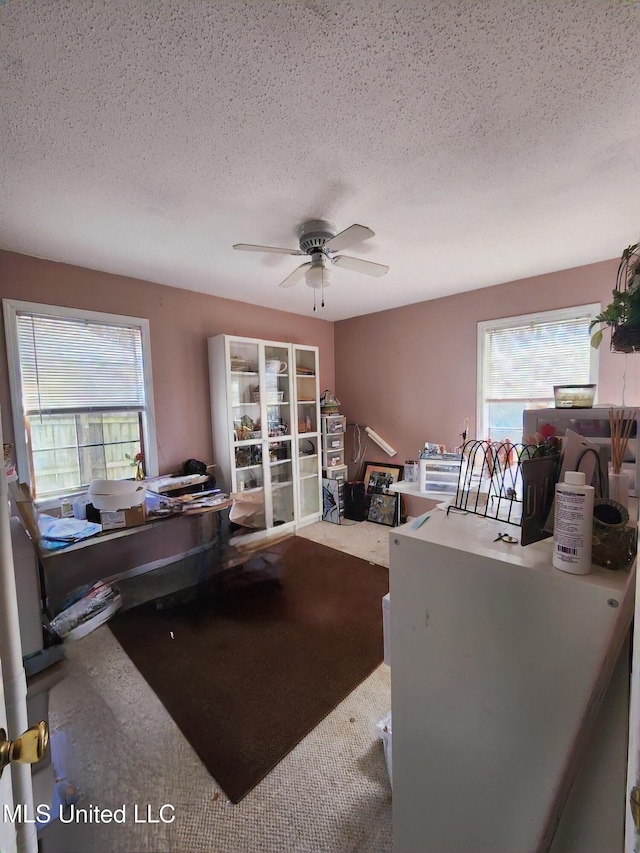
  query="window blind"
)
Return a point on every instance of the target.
[
  {"x": 70, "y": 365},
  {"x": 526, "y": 361}
]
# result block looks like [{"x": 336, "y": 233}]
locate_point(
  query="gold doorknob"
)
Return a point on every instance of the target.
[
  {"x": 634, "y": 802},
  {"x": 29, "y": 748}
]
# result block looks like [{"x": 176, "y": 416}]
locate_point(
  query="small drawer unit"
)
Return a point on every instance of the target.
[
  {"x": 333, "y": 429},
  {"x": 332, "y": 424},
  {"x": 439, "y": 473}
]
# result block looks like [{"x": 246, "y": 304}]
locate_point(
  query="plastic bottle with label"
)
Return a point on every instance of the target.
[{"x": 573, "y": 524}]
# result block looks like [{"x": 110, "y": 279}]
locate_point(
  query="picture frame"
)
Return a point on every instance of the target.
[
  {"x": 383, "y": 508},
  {"x": 331, "y": 501},
  {"x": 378, "y": 476}
]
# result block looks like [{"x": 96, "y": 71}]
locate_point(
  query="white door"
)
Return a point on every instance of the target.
[
  {"x": 13, "y": 836},
  {"x": 8, "y": 843},
  {"x": 633, "y": 769}
]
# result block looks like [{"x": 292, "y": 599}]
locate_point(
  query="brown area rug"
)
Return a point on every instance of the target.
[{"x": 247, "y": 669}]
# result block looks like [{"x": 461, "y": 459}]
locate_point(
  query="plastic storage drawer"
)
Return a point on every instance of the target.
[
  {"x": 333, "y": 441},
  {"x": 338, "y": 472},
  {"x": 333, "y": 424},
  {"x": 330, "y": 458}
]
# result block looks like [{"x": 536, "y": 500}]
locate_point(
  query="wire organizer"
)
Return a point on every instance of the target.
[{"x": 490, "y": 482}]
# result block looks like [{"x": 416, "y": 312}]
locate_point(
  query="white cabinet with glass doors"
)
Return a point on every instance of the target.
[{"x": 259, "y": 411}]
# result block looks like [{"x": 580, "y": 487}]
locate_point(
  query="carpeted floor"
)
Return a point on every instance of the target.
[
  {"x": 267, "y": 653},
  {"x": 330, "y": 793}
]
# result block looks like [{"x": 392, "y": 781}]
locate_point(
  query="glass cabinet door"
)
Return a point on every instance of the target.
[
  {"x": 281, "y": 477},
  {"x": 277, "y": 414},
  {"x": 307, "y": 448},
  {"x": 246, "y": 414},
  {"x": 277, "y": 387},
  {"x": 308, "y": 476}
]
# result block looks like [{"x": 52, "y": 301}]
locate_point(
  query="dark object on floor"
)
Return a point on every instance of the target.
[
  {"x": 192, "y": 466},
  {"x": 356, "y": 501},
  {"x": 246, "y": 676}
]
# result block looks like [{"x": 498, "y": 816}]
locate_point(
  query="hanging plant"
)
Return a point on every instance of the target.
[{"x": 622, "y": 315}]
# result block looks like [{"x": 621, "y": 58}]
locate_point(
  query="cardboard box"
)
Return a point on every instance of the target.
[{"x": 122, "y": 518}]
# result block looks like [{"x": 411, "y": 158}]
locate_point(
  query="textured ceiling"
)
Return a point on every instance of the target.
[{"x": 482, "y": 140}]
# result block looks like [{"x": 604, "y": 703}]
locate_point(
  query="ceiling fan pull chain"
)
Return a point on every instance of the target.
[{"x": 314, "y": 299}]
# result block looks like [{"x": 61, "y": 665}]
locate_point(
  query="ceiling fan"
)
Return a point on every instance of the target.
[{"x": 320, "y": 242}]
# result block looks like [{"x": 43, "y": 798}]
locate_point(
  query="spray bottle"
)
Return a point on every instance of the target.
[{"x": 573, "y": 524}]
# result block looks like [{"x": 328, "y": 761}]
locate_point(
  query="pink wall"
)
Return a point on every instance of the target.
[
  {"x": 410, "y": 373},
  {"x": 180, "y": 323}
]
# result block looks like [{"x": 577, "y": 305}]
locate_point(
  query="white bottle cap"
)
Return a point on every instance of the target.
[{"x": 574, "y": 478}]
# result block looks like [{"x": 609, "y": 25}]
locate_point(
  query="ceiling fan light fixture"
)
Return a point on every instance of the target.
[{"x": 318, "y": 276}]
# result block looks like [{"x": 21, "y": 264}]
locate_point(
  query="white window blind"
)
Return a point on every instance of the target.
[
  {"x": 521, "y": 358},
  {"x": 75, "y": 365},
  {"x": 526, "y": 361}
]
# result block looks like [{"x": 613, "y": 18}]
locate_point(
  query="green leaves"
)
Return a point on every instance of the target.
[{"x": 623, "y": 308}]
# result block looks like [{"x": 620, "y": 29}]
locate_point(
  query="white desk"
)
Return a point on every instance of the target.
[
  {"x": 500, "y": 667},
  {"x": 133, "y": 550},
  {"x": 412, "y": 490}
]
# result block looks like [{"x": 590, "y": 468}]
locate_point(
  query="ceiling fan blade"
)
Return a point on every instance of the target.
[
  {"x": 296, "y": 276},
  {"x": 358, "y": 265},
  {"x": 248, "y": 247},
  {"x": 349, "y": 237}
]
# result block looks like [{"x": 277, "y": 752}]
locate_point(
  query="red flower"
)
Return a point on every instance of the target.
[
  {"x": 547, "y": 430},
  {"x": 139, "y": 457}
]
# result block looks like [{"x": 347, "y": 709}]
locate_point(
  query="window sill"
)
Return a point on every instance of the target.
[{"x": 46, "y": 504}]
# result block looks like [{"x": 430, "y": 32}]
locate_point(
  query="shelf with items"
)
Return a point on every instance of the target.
[
  {"x": 307, "y": 422},
  {"x": 252, "y": 490},
  {"x": 247, "y": 442}
]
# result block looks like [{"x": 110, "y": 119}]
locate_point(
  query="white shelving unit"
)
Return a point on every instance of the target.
[{"x": 265, "y": 416}]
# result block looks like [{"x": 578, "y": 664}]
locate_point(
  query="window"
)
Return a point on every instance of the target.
[
  {"x": 520, "y": 359},
  {"x": 81, "y": 395}
]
